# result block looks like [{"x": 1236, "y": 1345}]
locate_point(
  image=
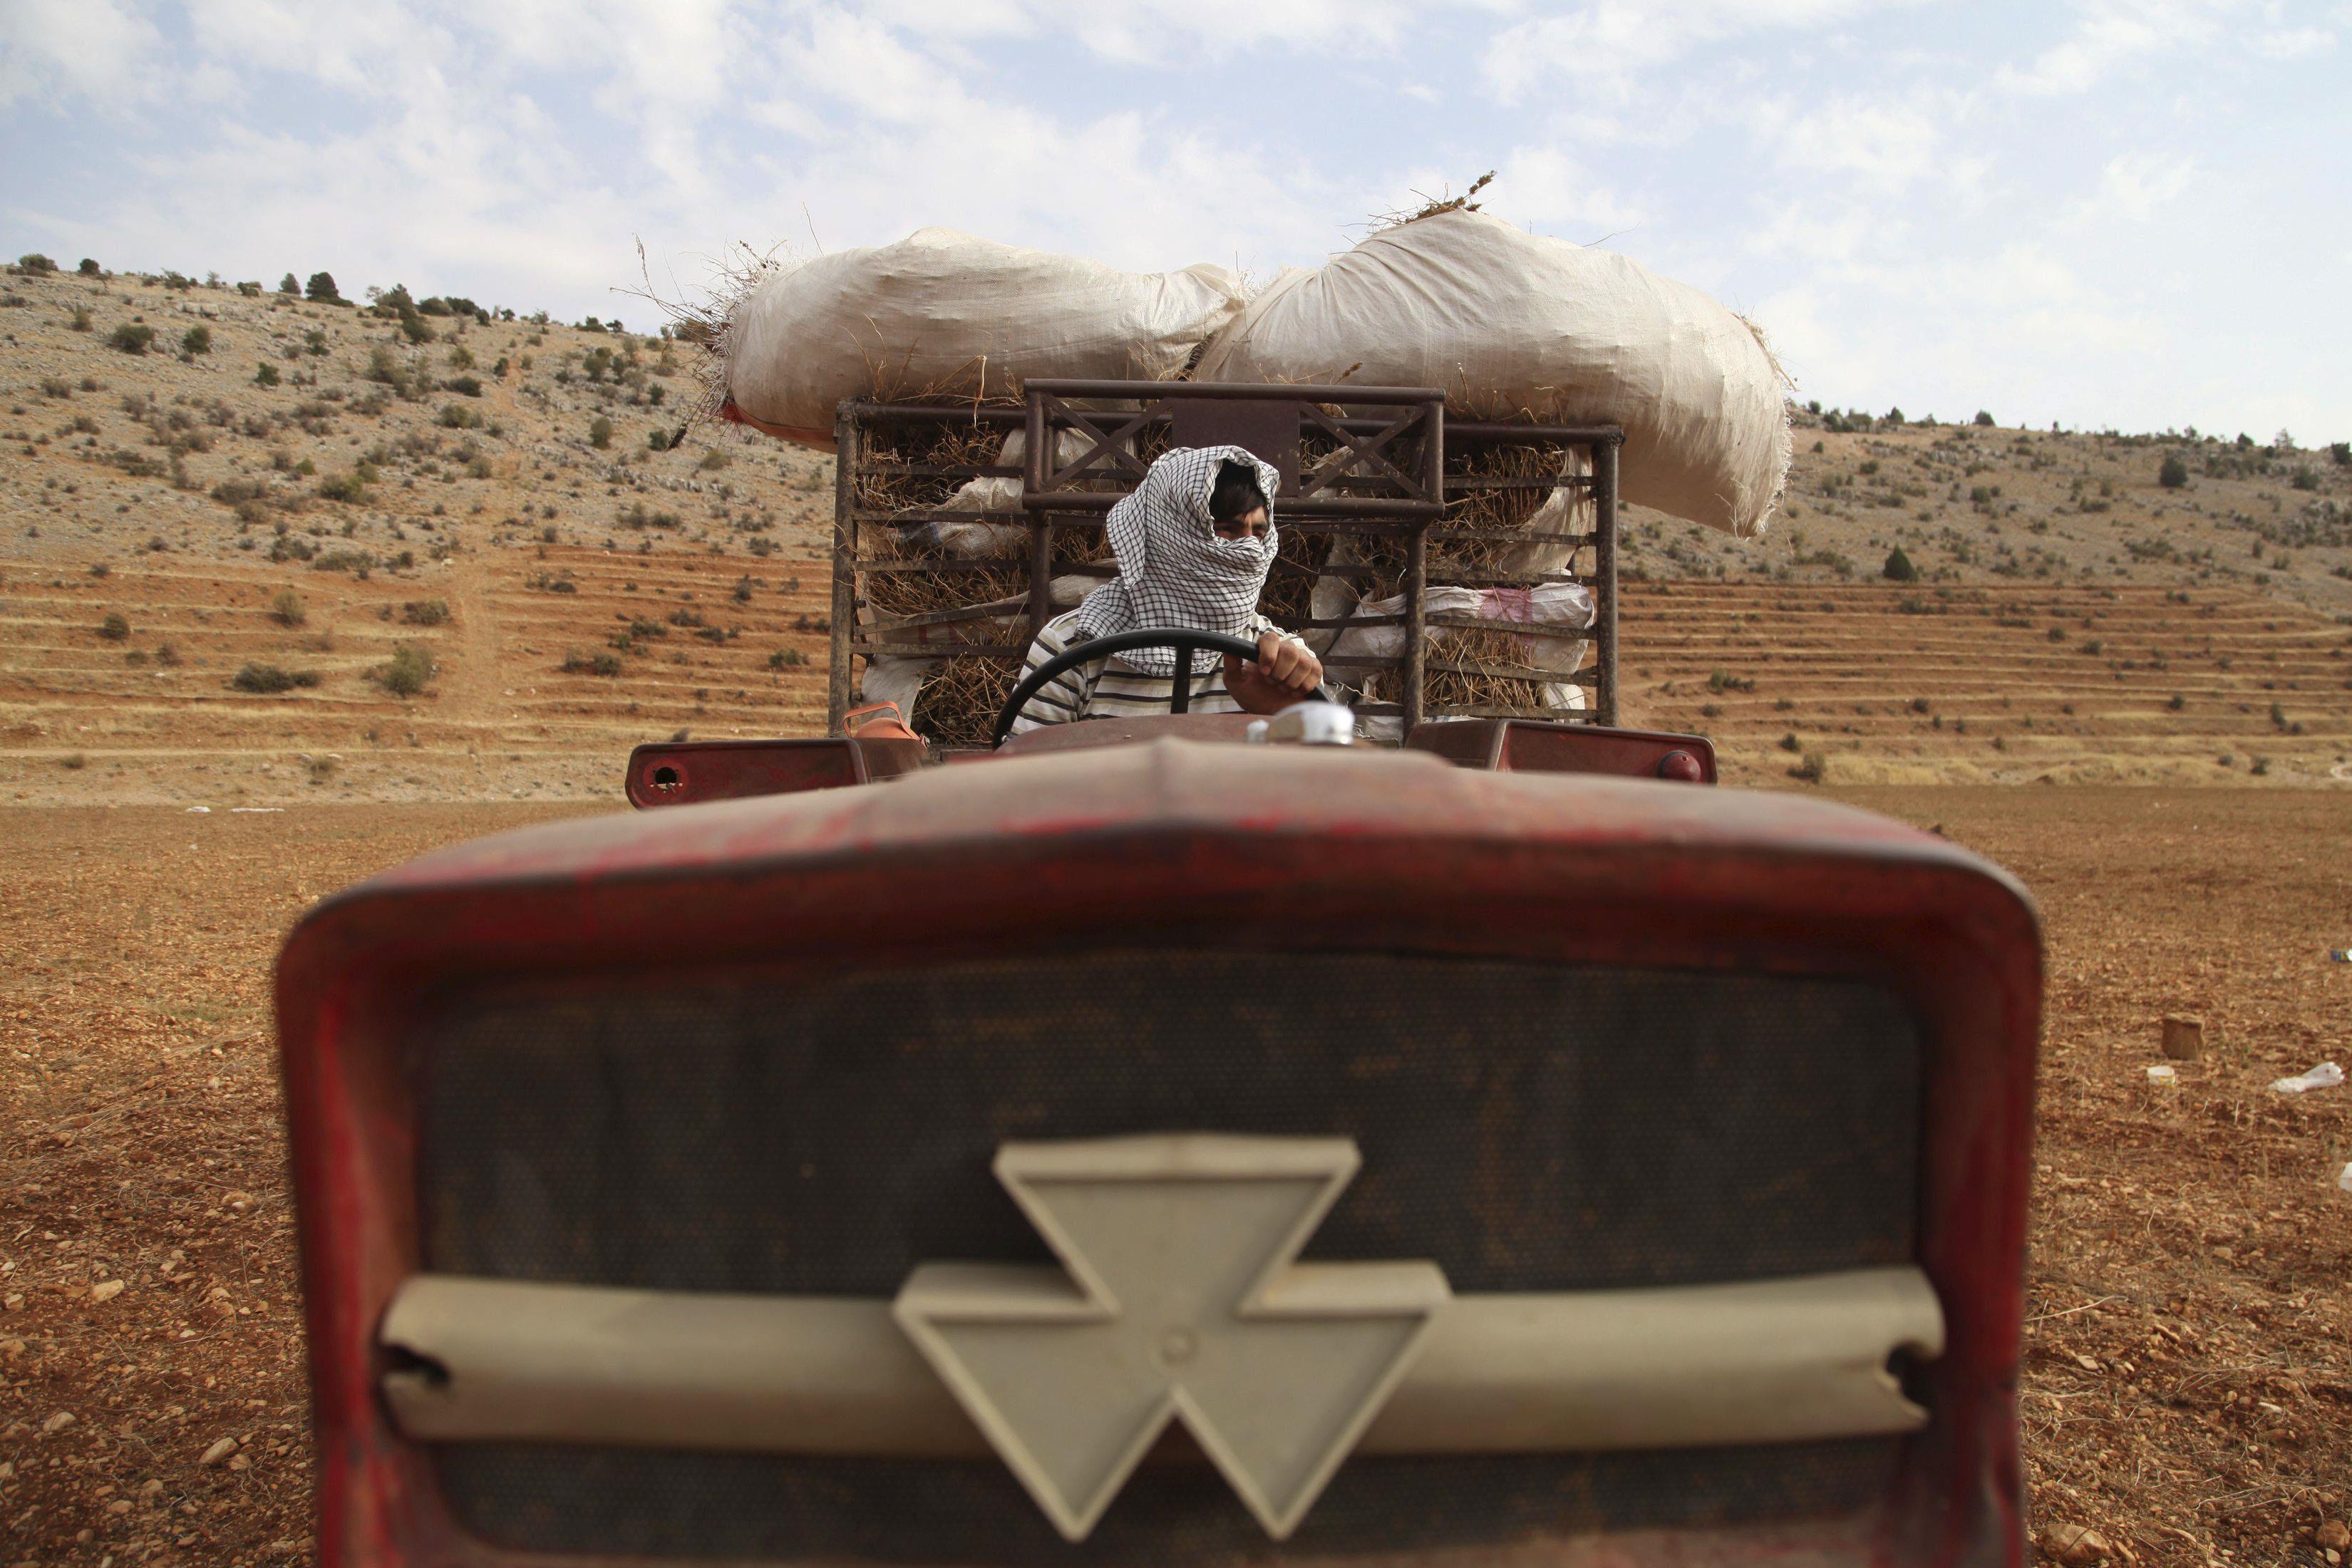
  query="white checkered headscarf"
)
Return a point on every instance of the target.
[{"x": 1173, "y": 570}]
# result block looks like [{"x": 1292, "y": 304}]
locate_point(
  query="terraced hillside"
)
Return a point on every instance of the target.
[
  {"x": 307, "y": 488},
  {"x": 547, "y": 665},
  {"x": 1886, "y": 684}
]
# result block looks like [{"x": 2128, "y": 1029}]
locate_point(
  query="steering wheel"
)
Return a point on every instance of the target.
[{"x": 1185, "y": 641}]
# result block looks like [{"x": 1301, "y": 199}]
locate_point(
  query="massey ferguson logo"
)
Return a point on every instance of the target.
[{"x": 1181, "y": 1301}]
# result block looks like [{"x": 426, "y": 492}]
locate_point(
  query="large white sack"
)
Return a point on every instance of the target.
[
  {"x": 1509, "y": 323},
  {"x": 941, "y": 311}
]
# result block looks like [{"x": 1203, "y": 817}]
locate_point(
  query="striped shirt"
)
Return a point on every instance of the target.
[{"x": 1110, "y": 687}]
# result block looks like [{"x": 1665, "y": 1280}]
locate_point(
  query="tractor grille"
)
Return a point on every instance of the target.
[{"x": 1526, "y": 1128}]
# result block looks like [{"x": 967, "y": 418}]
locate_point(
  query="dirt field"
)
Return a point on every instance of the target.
[{"x": 2188, "y": 1396}]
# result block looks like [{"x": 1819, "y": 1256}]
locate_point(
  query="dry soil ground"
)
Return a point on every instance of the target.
[{"x": 2187, "y": 1393}]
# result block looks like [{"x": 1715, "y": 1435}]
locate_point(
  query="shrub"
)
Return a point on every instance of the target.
[
  {"x": 266, "y": 375},
  {"x": 1815, "y": 769},
  {"x": 464, "y": 385},
  {"x": 1788, "y": 743},
  {"x": 268, "y": 680},
  {"x": 351, "y": 486},
  {"x": 1983, "y": 418},
  {"x": 2057, "y": 634},
  {"x": 80, "y": 323},
  {"x": 197, "y": 341},
  {"x": 410, "y": 669},
  {"x": 287, "y": 608},
  {"x": 2306, "y": 477},
  {"x": 90, "y": 268},
  {"x": 2342, "y": 452},
  {"x": 458, "y": 417},
  {"x": 2172, "y": 473},
  {"x": 425, "y": 612},
  {"x": 2262, "y": 765},
  {"x": 600, "y": 432},
  {"x": 1898, "y": 567},
  {"x": 578, "y": 663},
  {"x": 787, "y": 659},
  {"x": 131, "y": 339},
  {"x": 73, "y": 763},
  {"x": 712, "y": 459},
  {"x": 36, "y": 264},
  {"x": 290, "y": 284},
  {"x": 320, "y": 288},
  {"x": 2178, "y": 703},
  {"x": 657, "y": 439},
  {"x": 115, "y": 627}
]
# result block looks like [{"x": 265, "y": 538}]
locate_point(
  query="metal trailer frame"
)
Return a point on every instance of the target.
[{"x": 1381, "y": 471}]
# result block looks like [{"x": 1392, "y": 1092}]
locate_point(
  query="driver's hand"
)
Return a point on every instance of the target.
[{"x": 1282, "y": 673}]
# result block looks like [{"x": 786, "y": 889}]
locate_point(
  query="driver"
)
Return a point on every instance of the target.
[{"x": 1194, "y": 543}]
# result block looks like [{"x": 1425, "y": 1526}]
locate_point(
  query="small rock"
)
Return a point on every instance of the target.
[
  {"x": 2087, "y": 1364},
  {"x": 2076, "y": 1544},
  {"x": 119, "y": 1505},
  {"x": 237, "y": 1200},
  {"x": 59, "y": 1422},
  {"x": 239, "y": 1462},
  {"x": 2184, "y": 1037},
  {"x": 106, "y": 1290},
  {"x": 2334, "y": 1535},
  {"x": 219, "y": 1451}
]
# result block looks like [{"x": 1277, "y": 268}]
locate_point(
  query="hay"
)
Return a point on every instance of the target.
[
  {"x": 1509, "y": 681},
  {"x": 963, "y": 446},
  {"x": 958, "y": 703}
]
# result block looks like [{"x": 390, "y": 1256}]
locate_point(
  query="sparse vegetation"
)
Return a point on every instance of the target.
[
  {"x": 132, "y": 338},
  {"x": 406, "y": 675},
  {"x": 268, "y": 680},
  {"x": 115, "y": 627},
  {"x": 287, "y": 608}
]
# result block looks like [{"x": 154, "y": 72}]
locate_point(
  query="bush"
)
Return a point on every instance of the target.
[
  {"x": 600, "y": 433},
  {"x": 410, "y": 669},
  {"x": 425, "y": 612},
  {"x": 1984, "y": 418},
  {"x": 90, "y": 268},
  {"x": 1815, "y": 769},
  {"x": 129, "y": 339},
  {"x": 1898, "y": 567},
  {"x": 266, "y": 375},
  {"x": 36, "y": 264},
  {"x": 287, "y": 609},
  {"x": 197, "y": 341},
  {"x": 351, "y": 486},
  {"x": 268, "y": 680},
  {"x": 320, "y": 288},
  {"x": 2306, "y": 477},
  {"x": 80, "y": 323},
  {"x": 114, "y": 629},
  {"x": 578, "y": 663},
  {"x": 2172, "y": 473},
  {"x": 2342, "y": 452},
  {"x": 657, "y": 439},
  {"x": 464, "y": 385}
]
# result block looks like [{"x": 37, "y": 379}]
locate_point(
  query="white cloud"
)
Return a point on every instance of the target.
[
  {"x": 54, "y": 50},
  {"x": 1604, "y": 48},
  {"x": 2132, "y": 187},
  {"x": 2111, "y": 35},
  {"x": 2293, "y": 43}
]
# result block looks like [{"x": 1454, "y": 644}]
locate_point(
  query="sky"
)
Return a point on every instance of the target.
[{"x": 2111, "y": 215}]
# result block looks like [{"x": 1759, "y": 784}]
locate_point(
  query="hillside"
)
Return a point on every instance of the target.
[{"x": 573, "y": 594}]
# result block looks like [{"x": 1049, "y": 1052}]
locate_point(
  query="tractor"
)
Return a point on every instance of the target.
[{"x": 1200, "y": 1139}]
